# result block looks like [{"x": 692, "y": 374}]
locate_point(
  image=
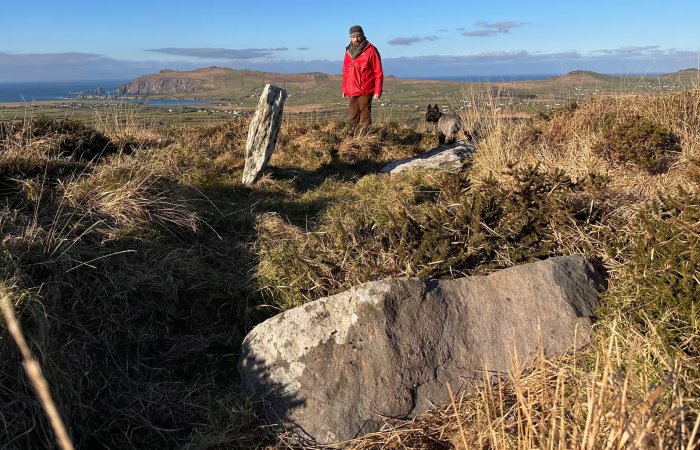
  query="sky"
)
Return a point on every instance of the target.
[{"x": 98, "y": 40}]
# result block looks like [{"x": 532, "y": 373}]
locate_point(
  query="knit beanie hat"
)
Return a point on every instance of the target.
[{"x": 356, "y": 30}]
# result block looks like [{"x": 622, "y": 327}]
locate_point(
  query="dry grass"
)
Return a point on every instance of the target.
[
  {"x": 131, "y": 196},
  {"x": 129, "y": 127},
  {"x": 566, "y": 139},
  {"x": 363, "y": 144}
]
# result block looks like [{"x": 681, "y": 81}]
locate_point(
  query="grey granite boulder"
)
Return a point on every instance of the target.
[
  {"x": 446, "y": 158},
  {"x": 333, "y": 369}
]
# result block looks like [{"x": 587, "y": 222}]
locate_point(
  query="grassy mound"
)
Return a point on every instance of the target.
[
  {"x": 136, "y": 276},
  {"x": 64, "y": 138}
]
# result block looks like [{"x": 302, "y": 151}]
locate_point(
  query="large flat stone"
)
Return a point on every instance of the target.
[
  {"x": 333, "y": 369},
  {"x": 447, "y": 158}
]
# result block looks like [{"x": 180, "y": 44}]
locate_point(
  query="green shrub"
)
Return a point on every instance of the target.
[
  {"x": 646, "y": 144},
  {"x": 432, "y": 227},
  {"x": 661, "y": 271}
]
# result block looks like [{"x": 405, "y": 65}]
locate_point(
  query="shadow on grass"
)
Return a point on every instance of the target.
[
  {"x": 234, "y": 207},
  {"x": 308, "y": 180},
  {"x": 274, "y": 400}
]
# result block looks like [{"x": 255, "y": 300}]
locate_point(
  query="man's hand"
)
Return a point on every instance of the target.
[
  {"x": 343, "y": 94},
  {"x": 376, "y": 96}
]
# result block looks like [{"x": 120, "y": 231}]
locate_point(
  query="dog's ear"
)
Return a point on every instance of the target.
[{"x": 429, "y": 107}]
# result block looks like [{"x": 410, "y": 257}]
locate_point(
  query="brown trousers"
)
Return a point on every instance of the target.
[{"x": 361, "y": 109}]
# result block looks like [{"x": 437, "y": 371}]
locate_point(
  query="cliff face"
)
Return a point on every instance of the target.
[{"x": 159, "y": 85}]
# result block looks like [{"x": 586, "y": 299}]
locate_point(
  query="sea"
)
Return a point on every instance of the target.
[{"x": 28, "y": 92}]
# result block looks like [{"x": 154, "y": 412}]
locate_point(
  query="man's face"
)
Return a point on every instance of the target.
[{"x": 356, "y": 39}]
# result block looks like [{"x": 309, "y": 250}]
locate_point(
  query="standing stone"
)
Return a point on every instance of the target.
[
  {"x": 262, "y": 133},
  {"x": 333, "y": 369}
]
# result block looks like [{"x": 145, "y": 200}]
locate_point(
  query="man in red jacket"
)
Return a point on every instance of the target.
[{"x": 362, "y": 76}]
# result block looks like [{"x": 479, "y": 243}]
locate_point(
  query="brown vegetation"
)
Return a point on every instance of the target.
[{"x": 136, "y": 275}]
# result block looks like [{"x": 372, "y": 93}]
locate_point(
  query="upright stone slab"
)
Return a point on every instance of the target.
[
  {"x": 262, "y": 133},
  {"x": 333, "y": 369}
]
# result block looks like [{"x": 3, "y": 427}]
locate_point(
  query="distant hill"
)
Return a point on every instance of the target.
[
  {"x": 685, "y": 75},
  {"x": 690, "y": 71},
  {"x": 589, "y": 75},
  {"x": 583, "y": 76},
  {"x": 219, "y": 82}
]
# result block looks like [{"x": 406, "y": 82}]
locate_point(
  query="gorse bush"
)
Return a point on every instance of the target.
[
  {"x": 433, "y": 227},
  {"x": 648, "y": 145},
  {"x": 661, "y": 251}
]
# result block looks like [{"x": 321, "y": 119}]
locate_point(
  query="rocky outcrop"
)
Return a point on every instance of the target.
[
  {"x": 447, "y": 158},
  {"x": 150, "y": 85},
  {"x": 333, "y": 369}
]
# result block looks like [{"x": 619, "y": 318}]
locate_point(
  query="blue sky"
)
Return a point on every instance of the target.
[{"x": 80, "y": 40}]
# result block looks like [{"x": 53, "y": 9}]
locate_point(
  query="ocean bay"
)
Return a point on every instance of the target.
[{"x": 56, "y": 91}]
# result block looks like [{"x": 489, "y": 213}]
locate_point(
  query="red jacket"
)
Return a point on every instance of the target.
[{"x": 363, "y": 75}]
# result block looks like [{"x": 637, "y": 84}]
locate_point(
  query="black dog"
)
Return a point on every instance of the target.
[{"x": 448, "y": 124}]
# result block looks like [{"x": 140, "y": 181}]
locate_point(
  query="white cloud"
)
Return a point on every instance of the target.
[
  {"x": 649, "y": 50},
  {"x": 411, "y": 40},
  {"x": 487, "y": 29},
  {"x": 77, "y": 66},
  {"x": 220, "y": 53}
]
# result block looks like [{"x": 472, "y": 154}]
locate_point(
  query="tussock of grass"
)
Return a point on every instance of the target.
[
  {"x": 311, "y": 153},
  {"x": 361, "y": 145},
  {"x": 63, "y": 138},
  {"x": 123, "y": 279},
  {"x": 136, "y": 276},
  {"x": 131, "y": 199}
]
